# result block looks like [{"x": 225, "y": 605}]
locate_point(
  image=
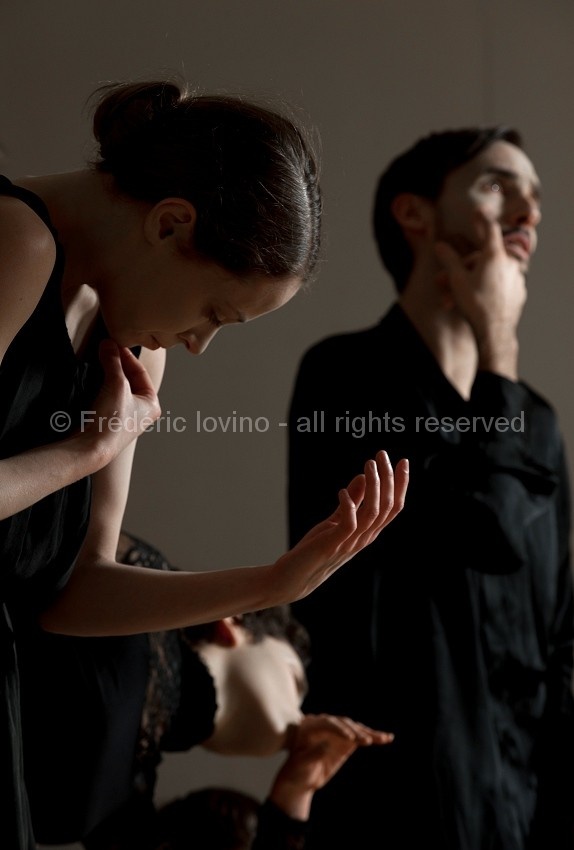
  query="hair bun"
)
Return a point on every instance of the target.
[
  {"x": 125, "y": 110},
  {"x": 250, "y": 172}
]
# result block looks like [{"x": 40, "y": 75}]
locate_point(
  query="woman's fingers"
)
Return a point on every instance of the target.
[
  {"x": 369, "y": 509},
  {"x": 356, "y": 489},
  {"x": 370, "y": 502},
  {"x": 111, "y": 362},
  {"x": 384, "y": 497},
  {"x": 120, "y": 364},
  {"x": 400, "y": 484},
  {"x": 347, "y": 513},
  {"x": 127, "y": 395},
  {"x": 137, "y": 375},
  {"x": 387, "y": 485}
]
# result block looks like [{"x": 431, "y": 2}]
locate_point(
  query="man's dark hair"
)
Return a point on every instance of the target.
[
  {"x": 209, "y": 819},
  {"x": 277, "y": 622},
  {"x": 422, "y": 170}
]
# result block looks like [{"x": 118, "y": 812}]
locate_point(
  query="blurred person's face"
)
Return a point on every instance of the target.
[
  {"x": 500, "y": 184},
  {"x": 265, "y": 687}
]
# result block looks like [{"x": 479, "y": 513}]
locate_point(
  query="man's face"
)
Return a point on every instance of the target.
[{"x": 500, "y": 184}]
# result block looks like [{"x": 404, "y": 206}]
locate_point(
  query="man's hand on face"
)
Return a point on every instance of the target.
[{"x": 488, "y": 289}]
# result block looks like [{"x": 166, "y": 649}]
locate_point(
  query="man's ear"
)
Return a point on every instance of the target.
[
  {"x": 171, "y": 218},
  {"x": 228, "y": 632},
  {"x": 412, "y": 212}
]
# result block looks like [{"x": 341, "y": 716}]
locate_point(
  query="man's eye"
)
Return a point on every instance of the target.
[
  {"x": 492, "y": 186},
  {"x": 215, "y": 320}
]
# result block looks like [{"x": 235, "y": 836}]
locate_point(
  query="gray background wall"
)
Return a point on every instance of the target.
[{"x": 373, "y": 75}]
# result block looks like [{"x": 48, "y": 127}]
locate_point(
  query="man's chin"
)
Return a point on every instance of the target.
[{"x": 523, "y": 262}]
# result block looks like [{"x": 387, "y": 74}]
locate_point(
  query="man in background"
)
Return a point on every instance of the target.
[{"x": 455, "y": 631}]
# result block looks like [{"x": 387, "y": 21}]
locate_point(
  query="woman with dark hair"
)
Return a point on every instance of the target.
[{"x": 198, "y": 212}]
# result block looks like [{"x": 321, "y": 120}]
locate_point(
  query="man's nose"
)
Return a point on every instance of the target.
[{"x": 524, "y": 209}]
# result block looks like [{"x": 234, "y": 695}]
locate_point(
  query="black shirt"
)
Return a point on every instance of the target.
[{"x": 454, "y": 629}]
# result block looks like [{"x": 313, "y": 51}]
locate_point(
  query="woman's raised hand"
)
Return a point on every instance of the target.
[{"x": 368, "y": 504}]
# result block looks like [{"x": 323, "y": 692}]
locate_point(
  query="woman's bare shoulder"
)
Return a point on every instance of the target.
[{"x": 27, "y": 256}]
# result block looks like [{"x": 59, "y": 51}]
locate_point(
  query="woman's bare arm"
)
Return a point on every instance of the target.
[{"x": 106, "y": 598}]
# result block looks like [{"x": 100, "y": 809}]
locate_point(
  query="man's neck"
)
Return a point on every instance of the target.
[{"x": 447, "y": 336}]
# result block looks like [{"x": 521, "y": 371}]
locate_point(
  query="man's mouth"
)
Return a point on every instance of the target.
[{"x": 518, "y": 243}]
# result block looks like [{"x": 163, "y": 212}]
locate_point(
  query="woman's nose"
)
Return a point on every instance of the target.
[{"x": 197, "y": 341}]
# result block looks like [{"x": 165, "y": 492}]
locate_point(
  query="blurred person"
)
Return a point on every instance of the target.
[
  {"x": 455, "y": 631},
  {"x": 98, "y": 714}
]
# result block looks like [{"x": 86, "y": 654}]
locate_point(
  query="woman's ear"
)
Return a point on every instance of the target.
[
  {"x": 171, "y": 218},
  {"x": 413, "y": 213}
]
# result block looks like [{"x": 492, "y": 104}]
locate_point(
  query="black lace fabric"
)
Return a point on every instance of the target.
[
  {"x": 164, "y": 683},
  {"x": 180, "y": 701}
]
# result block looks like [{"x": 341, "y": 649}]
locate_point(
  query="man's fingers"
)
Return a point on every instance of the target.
[
  {"x": 493, "y": 241},
  {"x": 449, "y": 258}
]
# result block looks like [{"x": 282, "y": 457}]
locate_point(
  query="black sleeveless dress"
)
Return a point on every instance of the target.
[{"x": 44, "y": 387}]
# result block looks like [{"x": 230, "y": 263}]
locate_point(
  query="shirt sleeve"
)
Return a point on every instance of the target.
[{"x": 278, "y": 831}]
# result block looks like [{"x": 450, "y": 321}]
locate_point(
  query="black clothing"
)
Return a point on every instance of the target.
[
  {"x": 109, "y": 708},
  {"x": 40, "y": 376},
  {"x": 455, "y": 629},
  {"x": 82, "y": 699},
  {"x": 277, "y": 831},
  {"x": 138, "y": 826}
]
